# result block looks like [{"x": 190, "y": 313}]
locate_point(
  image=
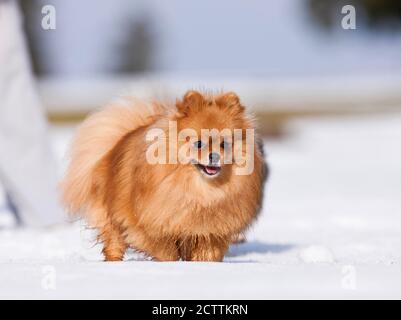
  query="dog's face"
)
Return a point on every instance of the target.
[
  {"x": 209, "y": 155},
  {"x": 210, "y": 122}
]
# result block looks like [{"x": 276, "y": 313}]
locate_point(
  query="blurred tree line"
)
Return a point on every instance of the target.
[
  {"x": 134, "y": 49},
  {"x": 382, "y": 15},
  {"x": 133, "y": 52}
]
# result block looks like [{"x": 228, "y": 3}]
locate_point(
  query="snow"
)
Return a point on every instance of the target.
[
  {"x": 316, "y": 253},
  {"x": 330, "y": 228}
]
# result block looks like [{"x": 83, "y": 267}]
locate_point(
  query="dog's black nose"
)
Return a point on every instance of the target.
[{"x": 214, "y": 157}]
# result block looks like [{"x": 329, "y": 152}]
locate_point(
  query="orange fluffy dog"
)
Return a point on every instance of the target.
[{"x": 170, "y": 210}]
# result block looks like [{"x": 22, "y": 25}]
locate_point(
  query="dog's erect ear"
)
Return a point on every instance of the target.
[
  {"x": 231, "y": 101},
  {"x": 193, "y": 97},
  {"x": 191, "y": 100}
]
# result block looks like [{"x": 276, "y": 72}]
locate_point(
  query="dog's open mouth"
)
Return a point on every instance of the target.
[{"x": 209, "y": 170}]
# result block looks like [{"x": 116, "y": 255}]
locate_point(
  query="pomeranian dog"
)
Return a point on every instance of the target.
[{"x": 150, "y": 176}]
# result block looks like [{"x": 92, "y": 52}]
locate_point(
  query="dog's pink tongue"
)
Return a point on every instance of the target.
[{"x": 211, "y": 170}]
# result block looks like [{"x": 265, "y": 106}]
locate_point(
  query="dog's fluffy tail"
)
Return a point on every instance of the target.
[{"x": 96, "y": 136}]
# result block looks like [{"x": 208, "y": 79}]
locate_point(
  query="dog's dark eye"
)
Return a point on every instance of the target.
[
  {"x": 198, "y": 144},
  {"x": 225, "y": 144}
]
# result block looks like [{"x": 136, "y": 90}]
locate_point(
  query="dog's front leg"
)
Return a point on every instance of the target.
[
  {"x": 159, "y": 249},
  {"x": 204, "y": 248}
]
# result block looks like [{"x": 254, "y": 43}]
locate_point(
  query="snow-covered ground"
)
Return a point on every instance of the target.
[{"x": 330, "y": 228}]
